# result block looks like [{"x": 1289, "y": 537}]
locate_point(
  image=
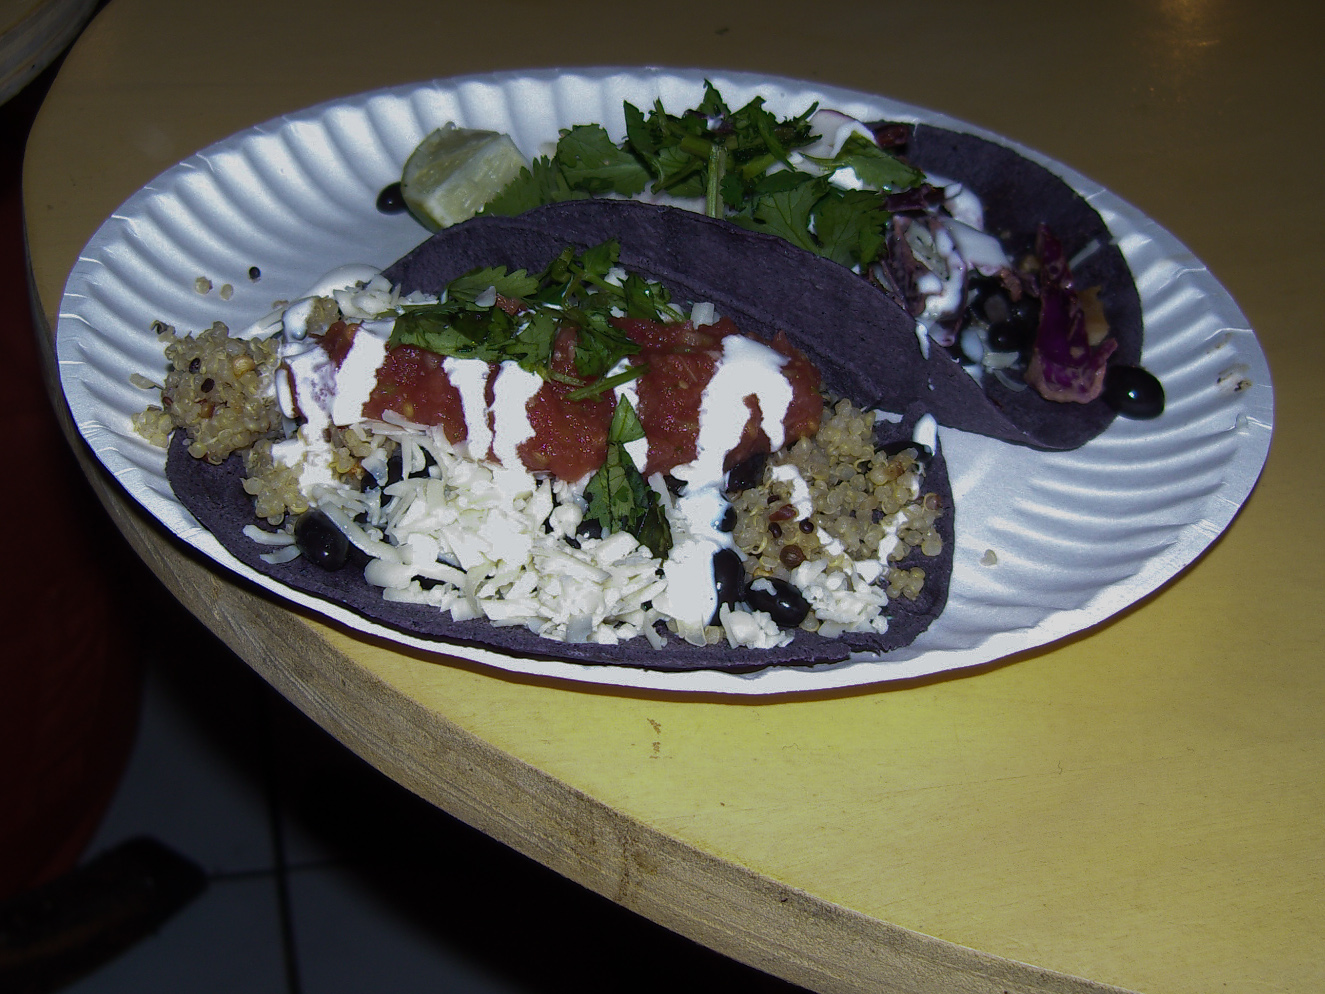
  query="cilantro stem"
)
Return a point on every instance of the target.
[
  {"x": 696, "y": 146},
  {"x": 713, "y": 193},
  {"x": 608, "y": 383},
  {"x": 667, "y": 310},
  {"x": 552, "y": 374},
  {"x": 609, "y": 288},
  {"x": 757, "y": 166}
]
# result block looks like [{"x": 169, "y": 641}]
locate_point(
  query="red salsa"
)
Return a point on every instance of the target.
[
  {"x": 570, "y": 437},
  {"x": 682, "y": 359}
]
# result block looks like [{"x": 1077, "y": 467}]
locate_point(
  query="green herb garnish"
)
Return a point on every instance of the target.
[
  {"x": 725, "y": 156},
  {"x": 619, "y": 497},
  {"x": 575, "y": 290}
]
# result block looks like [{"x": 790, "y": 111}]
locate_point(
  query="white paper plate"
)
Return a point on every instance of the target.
[{"x": 1078, "y": 535}]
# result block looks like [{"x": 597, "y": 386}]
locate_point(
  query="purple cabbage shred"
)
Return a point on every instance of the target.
[{"x": 1065, "y": 367}]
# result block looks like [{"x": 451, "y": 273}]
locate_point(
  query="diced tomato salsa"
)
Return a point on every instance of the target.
[
  {"x": 570, "y": 437},
  {"x": 412, "y": 382},
  {"x": 682, "y": 359}
]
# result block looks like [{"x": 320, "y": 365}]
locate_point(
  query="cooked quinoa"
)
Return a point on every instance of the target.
[
  {"x": 218, "y": 389},
  {"x": 857, "y": 498}
]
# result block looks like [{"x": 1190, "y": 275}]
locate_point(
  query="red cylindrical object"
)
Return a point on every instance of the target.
[{"x": 70, "y": 681}]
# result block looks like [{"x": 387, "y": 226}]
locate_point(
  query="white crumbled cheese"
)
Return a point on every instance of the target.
[
  {"x": 754, "y": 629},
  {"x": 477, "y": 529},
  {"x": 283, "y": 555},
  {"x": 264, "y": 537},
  {"x": 843, "y": 602}
]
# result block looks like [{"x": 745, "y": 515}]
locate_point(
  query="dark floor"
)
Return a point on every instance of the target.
[{"x": 322, "y": 874}]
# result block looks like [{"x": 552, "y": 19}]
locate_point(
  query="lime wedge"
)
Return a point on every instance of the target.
[{"x": 455, "y": 171}]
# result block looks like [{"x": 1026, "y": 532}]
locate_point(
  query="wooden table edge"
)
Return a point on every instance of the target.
[{"x": 750, "y": 917}]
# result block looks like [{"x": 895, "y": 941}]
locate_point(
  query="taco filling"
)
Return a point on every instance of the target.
[{"x": 571, "y": 453}]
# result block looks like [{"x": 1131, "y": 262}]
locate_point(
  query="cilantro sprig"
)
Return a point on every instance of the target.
[
  {"x": 741, "y": 163},
  {"x": 583, "y": 290},
  {"x": 618, "y": 496}
]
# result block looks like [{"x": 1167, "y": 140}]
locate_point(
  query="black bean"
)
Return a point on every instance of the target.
[
  {"x": 207, "y": 385},
  {"x": 195, "y": 364},
  {"x": 923, "y": 452},
  {"x": 784, "y": 603},
  {"x": 1133, "y": 392},
  {"x": 728, "y": 579},
  {"x": 1010, "y": 336},
  {"x": 393, "y": 467},
  {"x": 391, "y": 200},
  {"x": 996, "y": 307},
  {"x": 254, "y": 273},
  {"x": 806, "y": 526},
  {"x": 746, "y": 474},
  {"x": 775, "y": 529},
  {"x": 1026, "y": 312},
  {"x": 590, "y": 528},
  {"x": 321, "y": 542},
  {"x": 728, "y": 521},
  {"x": 979, "y": 288}
]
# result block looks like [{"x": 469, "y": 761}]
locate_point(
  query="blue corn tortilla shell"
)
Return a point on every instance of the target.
[
  {"x": 1018, "y": 195},
  {"x": 761, "y": 282}
]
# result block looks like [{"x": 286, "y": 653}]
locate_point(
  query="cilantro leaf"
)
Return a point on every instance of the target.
[
  {"x": 640, "y": 137},
  {"x": 597, "y": 261},
  {"x": 532, "y": 345},
  {"x": 540, "y": 184},
  {"x": 598, "y": 344},
  {"x": 619, "y": 497},
  {"x": 626, "y": 425},
  {"x": 646, "y": 300},
  {"x": 877, "y": 169},
  {"x": 680, "y": 173},
  {"x": 591, "y": 162},
  {"x": 575, "y": 290},
  {"x": 469, "y": 287},
  {"x": 712, "y": 106},
  {"x": 786, "y": 213},
  {"x": 850, "y": 227},
  {"x": 463, "y": 334}
]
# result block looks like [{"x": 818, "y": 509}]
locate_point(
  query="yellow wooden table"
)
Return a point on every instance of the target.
[{"x": 1140, "y": 805}]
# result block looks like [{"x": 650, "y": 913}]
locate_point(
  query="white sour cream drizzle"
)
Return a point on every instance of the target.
[
  {"x": 357, "y": 374},
  {"x": 313, "y": 386},
  {"x": 470, "y": 378},
  {"x": 959, "y": 244},
  {"x": 512, "y": 391},
  {"x": 746, "y": 368}
]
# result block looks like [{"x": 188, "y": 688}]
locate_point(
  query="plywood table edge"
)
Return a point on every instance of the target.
[{"x": 741, "y": 913}]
